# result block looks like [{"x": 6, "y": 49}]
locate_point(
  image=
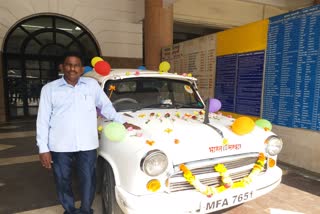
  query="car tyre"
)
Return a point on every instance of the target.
[{"x": 109, "y": 202}]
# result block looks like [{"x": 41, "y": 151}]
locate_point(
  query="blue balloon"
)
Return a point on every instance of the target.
[
  {"x": 141, "y": 67},
  {"x": 87, "y": 69}
]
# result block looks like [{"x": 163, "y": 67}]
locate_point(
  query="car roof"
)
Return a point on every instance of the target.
[{"x": 132, "y": 73}]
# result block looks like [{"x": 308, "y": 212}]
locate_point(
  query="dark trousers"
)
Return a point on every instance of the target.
[{"x": 85, "y": 162}]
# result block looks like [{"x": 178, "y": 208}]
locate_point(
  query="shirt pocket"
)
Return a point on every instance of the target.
[{"x": 88, "y": 103}]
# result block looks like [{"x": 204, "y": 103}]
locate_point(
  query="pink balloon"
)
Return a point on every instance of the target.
[{"x": 214, "y": 105}]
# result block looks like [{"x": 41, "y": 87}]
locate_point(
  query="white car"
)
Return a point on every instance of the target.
[{"x": 184, "y": 159}]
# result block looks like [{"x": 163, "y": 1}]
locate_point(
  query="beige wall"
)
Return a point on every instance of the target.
[
  {"x": 301, "y": 147},
  {"x": 222, "y": 13},
  {"x": 117, "y": 62},
  {"x": 114, "y": 24}
]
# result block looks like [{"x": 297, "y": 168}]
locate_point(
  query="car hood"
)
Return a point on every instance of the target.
[{"x": 183, "y": 136}]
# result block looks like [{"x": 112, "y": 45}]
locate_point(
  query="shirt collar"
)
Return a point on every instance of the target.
[{"x": 63, "y": 82}]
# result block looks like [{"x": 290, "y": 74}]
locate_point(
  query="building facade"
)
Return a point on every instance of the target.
[{"x": 34, "y": 33}]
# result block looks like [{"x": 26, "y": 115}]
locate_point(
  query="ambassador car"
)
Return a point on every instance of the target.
[{"x": 185, "y": 159}]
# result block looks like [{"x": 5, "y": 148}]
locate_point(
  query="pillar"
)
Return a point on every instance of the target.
[{"x": 158, "y": 31}]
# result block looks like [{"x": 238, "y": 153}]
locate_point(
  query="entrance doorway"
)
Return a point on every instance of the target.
[{"x": 33, "y": 51}]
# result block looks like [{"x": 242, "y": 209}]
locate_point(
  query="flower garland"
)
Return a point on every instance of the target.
[{"x": 225, "y": 178}]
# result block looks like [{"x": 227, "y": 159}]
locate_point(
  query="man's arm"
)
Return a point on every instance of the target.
[{"x": 43, "y": 119}]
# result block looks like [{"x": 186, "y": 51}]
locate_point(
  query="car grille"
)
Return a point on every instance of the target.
[{"x": 239, "y": 166}]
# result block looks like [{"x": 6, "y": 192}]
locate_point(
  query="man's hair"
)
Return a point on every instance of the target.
[{"x": 72, "y": 53}]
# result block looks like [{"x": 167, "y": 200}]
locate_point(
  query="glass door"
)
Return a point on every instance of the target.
[{"x": 38, "y": 73}]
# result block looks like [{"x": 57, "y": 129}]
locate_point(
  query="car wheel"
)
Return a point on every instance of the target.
[{"x": 109, "y": 202}]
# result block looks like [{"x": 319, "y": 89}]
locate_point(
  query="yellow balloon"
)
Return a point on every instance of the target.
[
  {"x": 243, "y": 125},
  {"x": 95, "y": 59},
  {"x": 164, "y": 66}
]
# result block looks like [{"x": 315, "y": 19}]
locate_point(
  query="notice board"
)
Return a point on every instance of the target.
[
  {"x": 196, "y": 56},
  {"x": 239, "y": 82},
  {"x": 239, "y": 68},
  {"x": 292, "y": 73}
]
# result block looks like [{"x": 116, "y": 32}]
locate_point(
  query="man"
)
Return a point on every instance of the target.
[{"x": 67, "y": 130}]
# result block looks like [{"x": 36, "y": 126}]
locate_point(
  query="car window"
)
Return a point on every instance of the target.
[{"x": 137, "y": 93}]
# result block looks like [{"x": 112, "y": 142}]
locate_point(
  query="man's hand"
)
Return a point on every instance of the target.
[
  {"x": 127, "y": 125},
  {"x": 45, "y": 159}
]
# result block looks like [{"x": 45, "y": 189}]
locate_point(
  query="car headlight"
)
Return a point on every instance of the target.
[
  {"x": 274, "y": 145},
  {"x": 154, "y": 163}
]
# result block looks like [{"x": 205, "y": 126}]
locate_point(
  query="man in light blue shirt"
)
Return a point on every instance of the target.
[{"x": 67, "y": 130}]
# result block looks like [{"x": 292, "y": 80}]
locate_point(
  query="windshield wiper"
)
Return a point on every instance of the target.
[
  {"x": 154, "y": 105},
  {"x": 186, "y": 105}
]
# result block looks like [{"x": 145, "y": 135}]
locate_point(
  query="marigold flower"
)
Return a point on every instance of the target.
[
  {"x": 220, "y": 168},
  {"x": 150, "y": 142}
]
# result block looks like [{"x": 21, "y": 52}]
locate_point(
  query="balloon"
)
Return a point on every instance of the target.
[
  {"x": 265, "y": 124},
  {"x": 102, "y": 67},
  {"x": 141, "y": 67},
  {"x": 115, "y": 131},
  {"x": 87, "y": 69},
  {"x": 164, "y": 66},
  {"x": 95, "y": 59},
  {"x": 242, "y": 125},
  {"x": 214, "y": 105}
]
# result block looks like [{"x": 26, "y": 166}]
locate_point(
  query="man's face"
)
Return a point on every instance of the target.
[{"x": 72, "y": 69}]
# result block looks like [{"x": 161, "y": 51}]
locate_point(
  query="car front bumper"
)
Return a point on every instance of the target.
[{"x": 191, "y": 201}]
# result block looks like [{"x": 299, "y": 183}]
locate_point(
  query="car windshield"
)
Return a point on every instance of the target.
[{"x": 142, "y": 93}]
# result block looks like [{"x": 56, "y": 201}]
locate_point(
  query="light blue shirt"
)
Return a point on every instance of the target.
[{"x": 67, "y": 117}]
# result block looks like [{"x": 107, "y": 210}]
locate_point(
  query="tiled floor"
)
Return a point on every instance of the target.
[{"x": 25, "y": 187}]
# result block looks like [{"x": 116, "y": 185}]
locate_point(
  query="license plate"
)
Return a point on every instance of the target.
[{"x": 229, "y": 199}]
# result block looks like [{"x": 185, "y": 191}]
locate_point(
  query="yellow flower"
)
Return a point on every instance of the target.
[
  {"x": 225, "y": 178},
  {"x": 225, "y": 141},
  {"x": 220, "y": 168},
  {"x": 168, "y": 130},
  {"x": 209, "y": 191},
  {"x": 247, "y": 180},
  {"x": 100, "y": 128},
  {"x": 238, "y": 184},
  {"x": 188, "y": 176},
  {"x": 141, "y": 115},
  {"x": 220, "y": 189}
]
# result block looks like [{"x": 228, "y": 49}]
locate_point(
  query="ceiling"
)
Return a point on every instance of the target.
[
  {"x": 283, "y": 4},
  {"x": 183, "y": 31}
]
